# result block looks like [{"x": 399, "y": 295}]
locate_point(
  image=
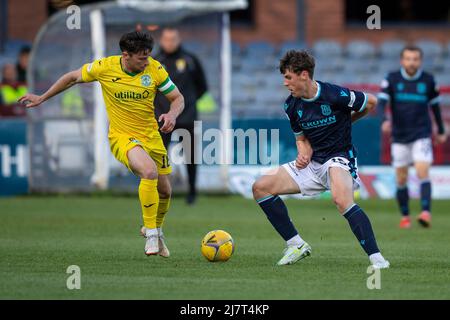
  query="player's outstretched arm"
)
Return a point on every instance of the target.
[
  {"x": 176, "y": 107},
  {"x": 304, "y": 152},
  {"x": 370, "y": 106},
  {"x": 64, "y": 82}
]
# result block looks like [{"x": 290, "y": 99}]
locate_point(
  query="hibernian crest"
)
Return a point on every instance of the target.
[
  {"x": 300, "y": 113},
  {"x": 326, "y": 110},
  {"x": 181, "y": 65},
  {"x": 146, "y": 80}
]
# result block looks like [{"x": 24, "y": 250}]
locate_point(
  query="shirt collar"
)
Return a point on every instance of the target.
[
  {"x": 316, "y": 95},
  {"x": 408, "y": 77}
]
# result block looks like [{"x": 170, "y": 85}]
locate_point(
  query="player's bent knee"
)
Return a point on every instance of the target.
[
  {"x": 255, "y": 189},
  {"x": 401, "y": 177},
  {"x": 259, "y": 189},
  {"x": 165, "y": 192},
  {"x": 401, "y": 181},
  {"x": 164, "y": 187},
  {"x": 422, "y": 175},
  {"x": 149, "y": 173},
  {"x": 341, "y": 202}
]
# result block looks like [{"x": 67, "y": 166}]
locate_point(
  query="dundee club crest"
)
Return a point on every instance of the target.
[{"x": 326, "y": 110}]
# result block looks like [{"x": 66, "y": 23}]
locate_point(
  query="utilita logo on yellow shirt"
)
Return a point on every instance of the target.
[{"x": 131, "y": 95}]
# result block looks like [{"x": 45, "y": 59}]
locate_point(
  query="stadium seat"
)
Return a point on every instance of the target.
[
  {"x": 12, "y": 47},
  {"x": 197, "y": 47},
  {"x": 360, "y": 78},
  {"x": 273, "y": 79},
  {"x": 386, "y": 65},
  {"x": 376, "y": 77},
  {"x": 273, "y": 98},
  {"x": 331, "y": 63},
  {"x": 243, "y": 102},
  {"x": 360, "y": 49},
  {"x": 246, "y": 80},
  {"x": 291, "y": 45},
  {"x": 431, "y": 48},
  {"x": 327, "y": 76},
  {"x": 433, "y": 64},
  {"x": 447, "y": 50},
  {"x": 446, "y": 65},
  {"x": 390, "y": 49},
  {"x": 236, "y": 49},
  {"x": 326, "y": 48},
  {"x": 339, "y": 78},
  {"x": 254, "y": 64},
  {"x": 363, "y": 66},
  {"x": 240, "y": 95},
  {"x": 259, "y": 48},
  {"x": 236, "y": 63},
  {"x": 442, "y": 79}
]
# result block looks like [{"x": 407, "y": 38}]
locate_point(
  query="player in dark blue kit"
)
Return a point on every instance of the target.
[
  {"x": 321, "y": 116},
  {"x": 411, "y": 92}
]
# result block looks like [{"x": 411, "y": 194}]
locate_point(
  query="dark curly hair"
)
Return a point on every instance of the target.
[
  {"x": 297, "y": 61},
  {"x": 135, "y": 42}
]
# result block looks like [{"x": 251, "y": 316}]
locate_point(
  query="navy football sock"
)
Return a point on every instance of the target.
[
  {"x": 361, "y": 227},
  {"x": 277, "y": 213},
  {"x": 425, "y": 195},
  {"x": 403, "y": 200}
]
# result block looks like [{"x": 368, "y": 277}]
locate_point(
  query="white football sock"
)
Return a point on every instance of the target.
[
  {"x": 376, "y": 257},
  {"x": 295, "y": 241},
  {"x": 151, "y": 232}
]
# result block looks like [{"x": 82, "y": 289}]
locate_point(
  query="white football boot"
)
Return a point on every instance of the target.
[
  {"x": 378, "y": 262},
  {"x": 163, "y": 251},
  {"x": 292, "y": 254},
  {"x": 151, "y": 245}
]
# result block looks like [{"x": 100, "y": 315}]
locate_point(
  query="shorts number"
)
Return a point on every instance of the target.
[
  {"x": 426, "y": 147},
  {"x": 165, "y": 162}
]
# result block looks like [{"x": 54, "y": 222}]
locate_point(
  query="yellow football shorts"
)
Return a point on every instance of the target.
[{"x": 121, "y": 143}]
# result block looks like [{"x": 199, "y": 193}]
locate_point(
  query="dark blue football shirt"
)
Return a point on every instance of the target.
[
  {"x": 325, "y": 120},
  {"x": 409, "y": 98}
]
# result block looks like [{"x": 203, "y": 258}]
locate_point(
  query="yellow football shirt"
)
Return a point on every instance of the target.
[{"x": 129, "y": 97}]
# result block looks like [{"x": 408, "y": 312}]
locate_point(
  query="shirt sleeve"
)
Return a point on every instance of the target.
[
  {"x": 164, "y": 83},
  {"x": 433, "y": 93},
  {"x": 293, "y": 117},
  {"x": 91, "y": 71},
  {"x": 385, "y": 90},
  {"x": 199, "y": 78},
  {"x": 350, "y": 99}
]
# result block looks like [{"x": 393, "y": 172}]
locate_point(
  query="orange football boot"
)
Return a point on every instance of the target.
[
  {"x": 424, "y": 219},
  {"x": 405, "y": 223}
]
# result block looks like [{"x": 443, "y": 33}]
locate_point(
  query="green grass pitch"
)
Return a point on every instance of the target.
[{"x": 41, "y": 236}]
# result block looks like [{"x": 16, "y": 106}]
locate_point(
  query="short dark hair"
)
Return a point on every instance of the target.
[
  {"x": 25, "y": 50},
  {"x": 298, "y": 61},
  {"x": 411, "y": 48},
  {"x": 135, "y": 42}
]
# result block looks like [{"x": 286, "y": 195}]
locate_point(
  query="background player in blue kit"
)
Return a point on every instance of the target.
[
  {"x": 321, "y": 116},
  {"x": 410, "y": 91}
]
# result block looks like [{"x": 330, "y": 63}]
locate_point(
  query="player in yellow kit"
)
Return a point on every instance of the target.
[{"x": 129, "y": 84}]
